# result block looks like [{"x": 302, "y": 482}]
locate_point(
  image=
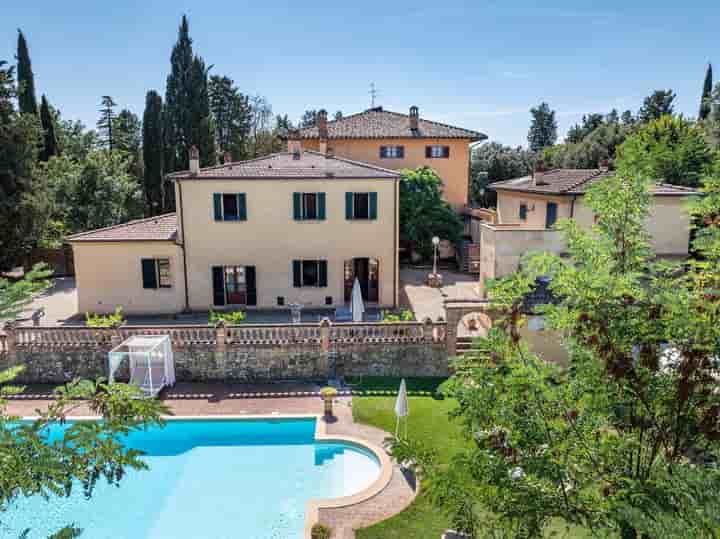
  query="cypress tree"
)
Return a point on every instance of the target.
[
  {"x": 153, "y": 153},
  {"x": 50, "y": 146},
  {"x": 705, "y": 105},
  {"x": 25, "y": 78},
  {"x": 177, "y": 101}
]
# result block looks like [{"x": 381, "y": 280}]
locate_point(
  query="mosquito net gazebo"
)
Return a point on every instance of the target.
[{"x": 150, "y": 360}]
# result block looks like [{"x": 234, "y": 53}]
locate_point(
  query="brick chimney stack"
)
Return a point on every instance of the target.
[
  {"x": 322, "y": 124},
  {"x": 294, "y": 144},
  {"x": 414, "y": 117},
  {"x": 538, "y": 169},
  {"x": 194, "y": 161}
]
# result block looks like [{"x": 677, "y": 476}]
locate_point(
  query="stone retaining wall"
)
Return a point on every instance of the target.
[{"x": 245, "y": 363}]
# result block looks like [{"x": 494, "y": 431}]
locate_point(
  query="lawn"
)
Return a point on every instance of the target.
[{"x": 428, "y": 421}]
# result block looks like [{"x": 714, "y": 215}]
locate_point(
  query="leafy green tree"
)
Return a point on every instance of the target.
[
  {"x": 74, "y": 140},
  {"x": 424, "y": 213},
  {"x": 25, "y": 78},
  {"x": 50, "y": 142},
  {"x": 705, "y": 99},
  {"x": 657, "y": 104},
  {"x": 618, "y": 442},
  {"x": 590, "y": 122},
  {"x": 127, "y": 132},
  {"x": 599, "y": 145},
  {"x": 232, "y": 115},
  {"x": 106, "y": 123},
  {"x": 493, "y": 162},
  {"x": 153, "y": 154},
  {"x": 308, "y": 119},
  {"x": 669, "y": 149},
  {"x": 543, "y": 128},
  {"x": 95, "y": 192},
  {"x": 20, "y": 137},
  {"x": 338, "y": 115},
  {"x": 627, "y": 118}
]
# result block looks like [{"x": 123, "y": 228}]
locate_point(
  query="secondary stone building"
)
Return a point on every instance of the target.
[{"x": 292, "y": 227}]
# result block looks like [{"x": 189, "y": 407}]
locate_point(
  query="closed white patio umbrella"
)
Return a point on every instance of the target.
[
  {"x": 401, "y": 407},
  {"x": 357, "y": 306}
]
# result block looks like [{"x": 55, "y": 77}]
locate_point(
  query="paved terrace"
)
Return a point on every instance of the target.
[{"x": 222, "y": 399}]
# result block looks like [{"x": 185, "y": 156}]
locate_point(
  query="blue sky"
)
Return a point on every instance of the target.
[{"x": 479, "y": 64}]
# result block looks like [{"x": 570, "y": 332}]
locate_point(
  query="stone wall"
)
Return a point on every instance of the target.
[{"x": 246, "y": 363}]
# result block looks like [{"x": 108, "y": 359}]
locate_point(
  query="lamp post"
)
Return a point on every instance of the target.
[{"x": 435, "y": 242}]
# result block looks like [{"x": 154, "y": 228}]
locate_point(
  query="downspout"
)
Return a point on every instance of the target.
[
  {"x": 572, "y": 206},
  {"x": 395, "y": 245},
  {"x": 182, "y": 245}
]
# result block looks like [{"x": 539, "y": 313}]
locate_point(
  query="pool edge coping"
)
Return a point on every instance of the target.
[{"x": 312, "y": 506}]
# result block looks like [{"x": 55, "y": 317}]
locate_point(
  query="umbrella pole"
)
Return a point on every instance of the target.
[{"x": 397, "y": 426}]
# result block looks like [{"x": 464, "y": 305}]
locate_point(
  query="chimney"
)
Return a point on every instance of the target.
[
  {"x": 227, "y": 158},
  {"x": 414, "y": 117},
  {"x": 322, "y": 124},
  {"x": 604, "y": 164},
  {"x": 194, "y": 161},
  {"x": 294, "y": 144},
  {"x": 538, "y": 169}
]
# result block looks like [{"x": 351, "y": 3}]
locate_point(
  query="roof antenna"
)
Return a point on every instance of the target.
[{"x": 373, "y": 94}]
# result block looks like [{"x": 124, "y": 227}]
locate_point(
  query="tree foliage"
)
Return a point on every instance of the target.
[
  {"x": 50, "y": 142},
  {"x": 232, "y": 116},
  {"x": 27, "y": 101},
  {"x": 543, "y": 128},
  {"x": 705, "y": 98},
  {"x": 669, "y": 149},
  {"x": 106, "y": 123},
  {"x": 424, "y": 213},
  {"x": 153, "y": 154},
  {"x": 598, "y": 145},
  {"x": 493, "y": 162},
  {"x": 619, "y": 441},
  {"x": 657, "y": 104}
]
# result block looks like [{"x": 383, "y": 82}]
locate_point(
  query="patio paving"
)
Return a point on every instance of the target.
[
  {"x": 426, "y": 301},
  {"x": 215, "y": 399}
]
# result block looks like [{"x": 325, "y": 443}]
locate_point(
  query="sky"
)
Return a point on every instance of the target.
[{"x": 478, "y": 64}]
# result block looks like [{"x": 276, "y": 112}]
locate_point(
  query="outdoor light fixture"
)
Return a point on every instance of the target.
[{"x": 435, "y": 242}]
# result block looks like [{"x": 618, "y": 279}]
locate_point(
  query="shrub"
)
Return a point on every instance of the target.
[
  {"x": 114, "y": 320},
  {"x": 405, "y": 315},
  {"x": 320, "y": 531},
  {"x": 229, "y": 317}
]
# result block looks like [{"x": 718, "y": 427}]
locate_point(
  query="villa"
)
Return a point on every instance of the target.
[
  {"x": 396, "y": 141},
  {"x": 293, "y": 227}
]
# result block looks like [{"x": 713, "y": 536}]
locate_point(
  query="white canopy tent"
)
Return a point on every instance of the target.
[
  {"x": 357, "y": 306},
  {"x": 150, "y": 360}
]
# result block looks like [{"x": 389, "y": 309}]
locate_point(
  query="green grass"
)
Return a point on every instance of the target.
[{"x": 428, "y": 421}]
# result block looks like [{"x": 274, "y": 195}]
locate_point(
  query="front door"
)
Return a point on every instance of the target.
[
  {"x": 366, "y": 271},
  {"x": 551, "y": 215},
  {"x": 235, "y": 285}
]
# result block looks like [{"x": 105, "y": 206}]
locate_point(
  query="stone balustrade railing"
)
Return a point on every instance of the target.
[{"x": 324, "y": 335}]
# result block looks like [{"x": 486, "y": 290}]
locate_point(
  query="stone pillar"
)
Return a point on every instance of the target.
[
  {"x": 11, "y": 342},
  {"x": 325, "y": 335},
  {"x": 220, "y": 348},
  {"x": 428, "y": 330}
]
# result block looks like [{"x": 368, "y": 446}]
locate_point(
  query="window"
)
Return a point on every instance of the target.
[
  {"x": 281, "y": 301},
  {"x": 437, "y": 152},
  {"x": 309, "y": 273},
  {"x": 361, "y": 206},
  {"x": 309, "y": 206},
  {"x": 234, "y": 285},
  {"x": 523, "y": 211},
  {"x": 328, "y": 300},
  {"x": 392, "y": 152},
  {"x": 156, "y": 273},
  {"x": 229, "y": 207}
]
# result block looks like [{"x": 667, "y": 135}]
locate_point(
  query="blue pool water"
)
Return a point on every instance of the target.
[{"x": 240, "y": 479}]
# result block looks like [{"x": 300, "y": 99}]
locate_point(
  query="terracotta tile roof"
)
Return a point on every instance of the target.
[
  {"x": 284, "y": 166},
  {"x": 378, "y": 123},
  {"x": 159, "y": 228},
  {"x": 575, "y": 181}
]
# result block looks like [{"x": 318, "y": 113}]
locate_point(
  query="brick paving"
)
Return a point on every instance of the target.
[{"x": 218, "y": 399}]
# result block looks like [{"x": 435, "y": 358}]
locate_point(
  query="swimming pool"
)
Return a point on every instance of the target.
[{"x": 240, "y": 479}]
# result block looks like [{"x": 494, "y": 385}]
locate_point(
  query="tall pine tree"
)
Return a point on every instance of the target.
[
  {"x": 106, "y": 121},
  {"x": 25, "y": 78},
  {"x": 201, "y": 125},
  {"x": 50, "y": 146},
  {"x": 153, "y": 153},
  {"x": 231, "y": 117},
  {"x": 543, "y": 128},
  {"x": 705, "y": 100}
]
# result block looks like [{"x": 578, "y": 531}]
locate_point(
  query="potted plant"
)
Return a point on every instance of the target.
[{"x": 328, "y": 394}]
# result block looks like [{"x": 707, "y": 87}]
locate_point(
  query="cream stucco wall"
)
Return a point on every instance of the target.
[
  {"x": 271, "y": 239},
  {"x": 110, "y": 274},
  {"x": 668, "y": 222},
  {"x": 454, "y": 171}
]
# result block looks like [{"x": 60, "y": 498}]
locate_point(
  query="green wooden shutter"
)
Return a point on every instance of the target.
[
  {"x": 348, "y": 206},
  {"x": 251, "y": 285},
  {"x": 149, "y": 273},
  {"x": 297, "y": 273},
  {"x": 321, "y": 206},
  {"x": 322, "y": 273},
  {"x": 217, "y": 205},
  {"x": 373, "y": 206},
  {"x": 297, "y": 206},
  {"x": 523, "y": 211},
  {"x": 428, "y": 152},
  {"x": 218, "y": 280},
  {"x": 242, "y": 207}
]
